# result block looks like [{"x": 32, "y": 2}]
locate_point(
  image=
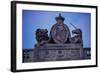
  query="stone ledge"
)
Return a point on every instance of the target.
[{"x": 62, "y": 46}]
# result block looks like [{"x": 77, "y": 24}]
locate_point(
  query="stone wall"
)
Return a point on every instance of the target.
[{"x": 54, "y": 52}]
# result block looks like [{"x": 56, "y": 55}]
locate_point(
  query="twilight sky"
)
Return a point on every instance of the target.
[{"x": 32, "y": 20}]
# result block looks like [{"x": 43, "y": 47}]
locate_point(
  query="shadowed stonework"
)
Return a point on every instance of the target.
[{"x": 57, "y": 46}]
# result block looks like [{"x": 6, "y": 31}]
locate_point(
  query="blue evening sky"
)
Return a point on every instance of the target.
[{"x": 32, "y": 20}]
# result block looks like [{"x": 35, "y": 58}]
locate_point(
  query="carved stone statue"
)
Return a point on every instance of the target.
[
  {"x": 59, "y": 45},
  {"x": 77, "y": 38},
  {"x": 60, "y": 32},
  {"x": 42, "y": 36}
]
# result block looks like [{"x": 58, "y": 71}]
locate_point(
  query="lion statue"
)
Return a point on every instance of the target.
[
  {"x": 42, "y": 36},
  {"x": 77, "y": 38}
]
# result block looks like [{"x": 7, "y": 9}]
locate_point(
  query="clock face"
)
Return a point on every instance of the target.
[{"x": 59, "y": 33}]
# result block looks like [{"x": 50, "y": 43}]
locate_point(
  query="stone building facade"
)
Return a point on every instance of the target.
[
  {"x": 58, "y": 52},
  {"x": 59, "y": 45}
]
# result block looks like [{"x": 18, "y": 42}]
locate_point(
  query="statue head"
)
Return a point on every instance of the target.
[
  {"x": 77, "y": 31},
  {"x": 41, "y": 35}
]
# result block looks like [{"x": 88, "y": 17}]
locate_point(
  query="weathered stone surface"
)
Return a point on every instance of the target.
[
  {"x": 60, "y": 33},
  {"x": 59, "y": 45},
  {"x": 62, "y": 46},
  {"x": 51, "y": 52}
]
